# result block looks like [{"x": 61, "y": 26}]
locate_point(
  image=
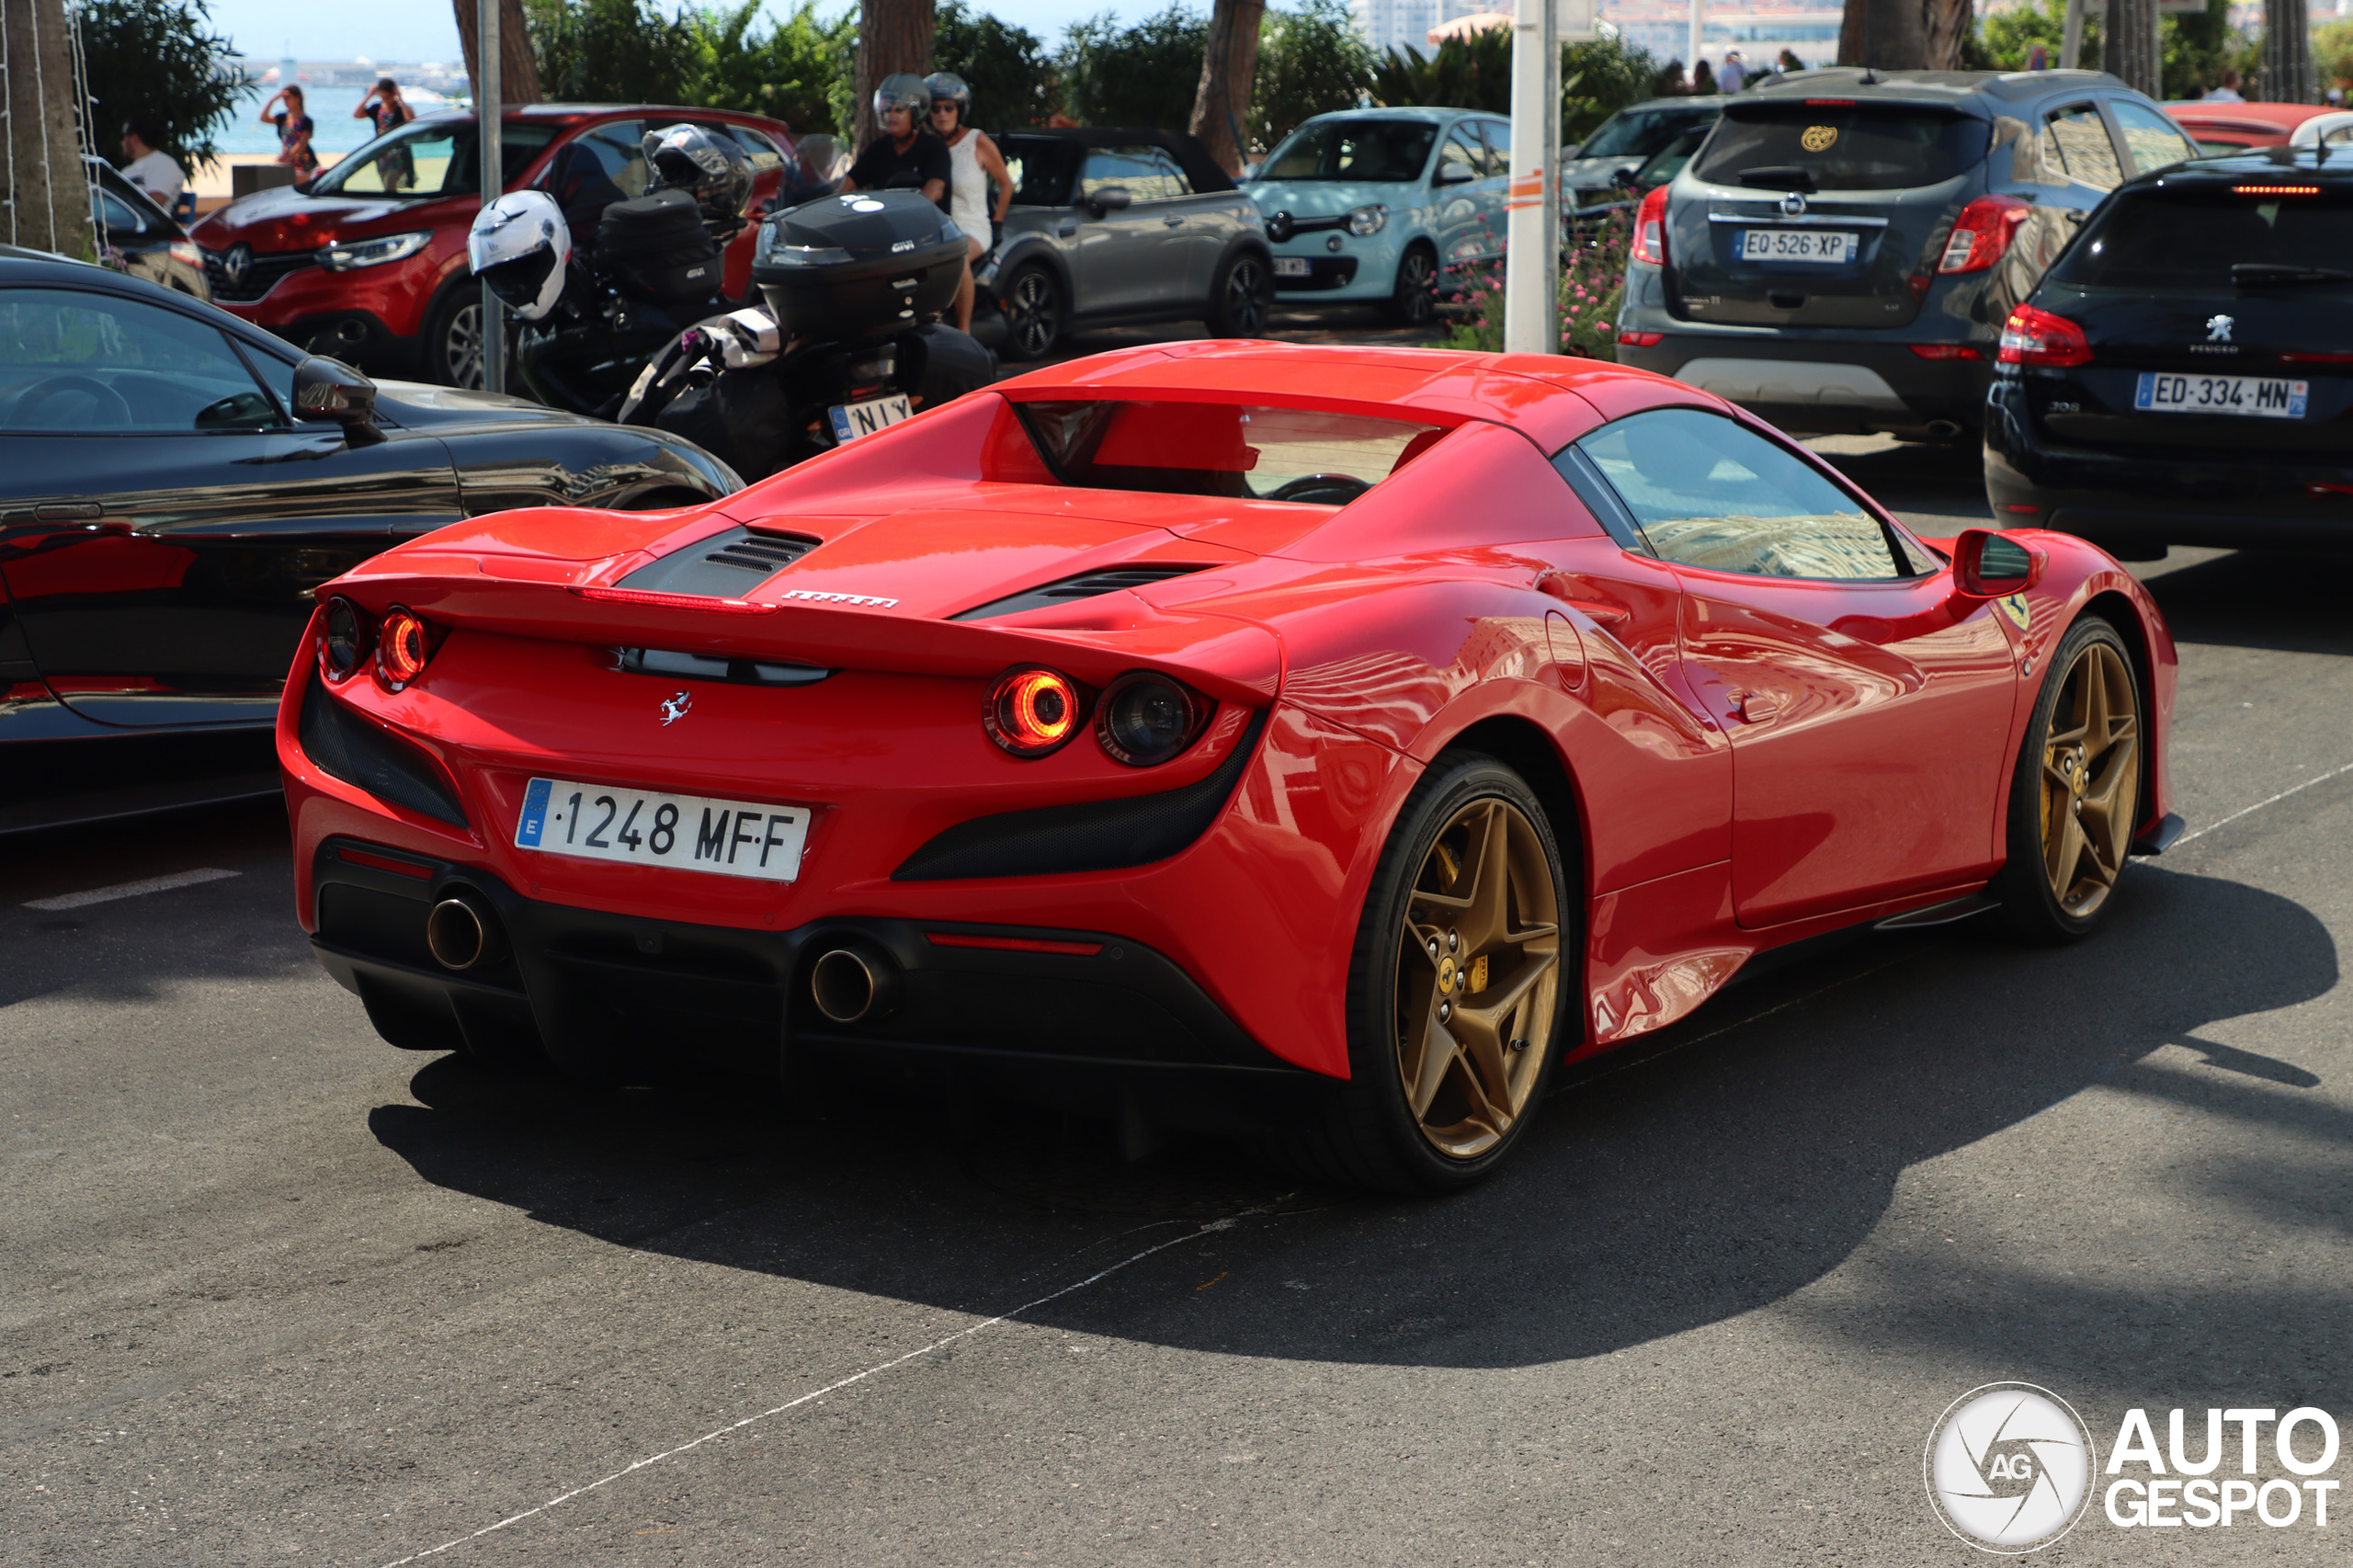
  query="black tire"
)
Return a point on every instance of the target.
[
  {"x": 1364, "y": 1132},
  {"x": 1414, "y": 299},
  {"x": 1242, "y": 298},
  {"x": 2100, "y": 780},
  {"x": 1032, "y": 299},
  {"x": 453, "y": 344}
]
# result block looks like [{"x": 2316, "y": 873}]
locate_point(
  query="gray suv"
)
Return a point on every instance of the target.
[
  {"x": 1123, "y": 226},
  {"x": 1842, "y": 251}
]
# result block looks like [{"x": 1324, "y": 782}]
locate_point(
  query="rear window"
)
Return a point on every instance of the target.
[
  {"x": 1632, "y": 133},
  {"x": 1829, "y": 145},
  {"x": 1247, "y": 451},
  {"x": 2267, "y": 227}
]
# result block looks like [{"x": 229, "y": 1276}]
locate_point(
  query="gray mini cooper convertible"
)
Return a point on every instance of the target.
[{"x": 1116, "y": 226}]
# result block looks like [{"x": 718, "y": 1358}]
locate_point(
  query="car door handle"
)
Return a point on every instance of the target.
[
  {"x": 1066, "y": 228},
  {"x": 1601, "y": 612},
  {"x": 1171, "y": 221},
  {"x": 1755, "y": 706},
  {"x": 67, "y": 511}
]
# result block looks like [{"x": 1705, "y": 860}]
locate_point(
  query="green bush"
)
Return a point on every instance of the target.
[
  {"x": 156, "y": 57},
  {"x": 1598, "y": 77},
  {"x": 2333, "y": 54},
  {"x": 612, "y": 51},
  {"x": 1143, "y": 76},
  {"x": 1592, "y": 287},
  {"x": 1311, "y": 61},
  {"x": 787, "y": 72},
  {"x": 1012, "y": 76}
]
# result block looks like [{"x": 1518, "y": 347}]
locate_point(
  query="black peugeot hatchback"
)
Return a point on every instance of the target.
[{"x": 2184, "y": 375}]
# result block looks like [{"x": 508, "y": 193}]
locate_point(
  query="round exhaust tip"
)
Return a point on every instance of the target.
[
  {"x": 1943, "y": 429},
  {"x": 853, "y": 982},
  {"x": 460, "y": 934}
]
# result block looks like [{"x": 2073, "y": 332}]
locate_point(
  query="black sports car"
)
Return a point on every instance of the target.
[
  {"x": 2184, "y": 374},
  {"x": 173, "y": 484}
]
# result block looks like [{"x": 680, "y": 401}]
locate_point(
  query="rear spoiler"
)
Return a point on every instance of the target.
[{"x": 1092, "y": 640}]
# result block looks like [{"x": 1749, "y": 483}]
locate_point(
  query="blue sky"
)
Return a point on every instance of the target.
[{"x": 426, "y": 30}]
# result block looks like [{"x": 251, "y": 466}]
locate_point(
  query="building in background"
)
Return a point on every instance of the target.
[{"x": 1760, "y": 31}]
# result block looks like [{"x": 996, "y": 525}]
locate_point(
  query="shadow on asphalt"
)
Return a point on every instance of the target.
[
  {"x": 2257, "y": 599},
  {"x": 1744, "y": 1157}
]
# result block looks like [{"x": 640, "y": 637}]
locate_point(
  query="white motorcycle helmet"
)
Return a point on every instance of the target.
[{"x": 518, "y": 247}]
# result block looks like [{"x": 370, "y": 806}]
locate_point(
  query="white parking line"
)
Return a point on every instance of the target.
[
  {"x": 2272, "y": 800},
  {"x": 129, "y": 889},
  {"x": 940, "y": 1343}
]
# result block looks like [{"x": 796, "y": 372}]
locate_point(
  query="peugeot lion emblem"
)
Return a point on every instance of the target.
[
  {"x": 1794, "y": 204},
  {"x": 2218, "y": 329},
  {"x": 674, "y": 708},
  {"x": 233, "y": 265}
]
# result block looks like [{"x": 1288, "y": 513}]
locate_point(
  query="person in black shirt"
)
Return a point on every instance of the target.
[{"x": 904, "y": 145}]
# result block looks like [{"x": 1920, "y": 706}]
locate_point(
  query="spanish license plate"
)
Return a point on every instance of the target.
[
  {"x": 1797, "y": 244},
  {"x": 1291, "y": 267},
  {"x": 852, "y": 420},
  {"x": 2254, "y": 397},
  {"x": 692, "y": 833}
]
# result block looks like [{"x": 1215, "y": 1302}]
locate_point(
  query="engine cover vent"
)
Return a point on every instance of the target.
[
  {"x": 724, "y": 566},
  {"x": 1085, "y": 585}
]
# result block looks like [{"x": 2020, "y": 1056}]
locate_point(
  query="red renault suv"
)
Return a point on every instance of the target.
[{"x": 368, "y": 261}]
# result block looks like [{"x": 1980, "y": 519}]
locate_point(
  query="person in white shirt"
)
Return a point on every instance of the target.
[
  {"x": 152, "y": 170},
  {"x": 2226, "y": 91},
  {"x": 1730, "y": 78}
]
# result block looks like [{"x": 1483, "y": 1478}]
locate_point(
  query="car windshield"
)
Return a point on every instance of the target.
[
  {"x": 1042, "y": 168},
  {"x": 2269, "y": 227},
  {"x": 1638, "y": 133},
  {"x": 1388, "y": 150},
  {"x": 431, "y": 157},
  {"x": 1835, "y": 145},
  {"x": 1248, "y": 451}
]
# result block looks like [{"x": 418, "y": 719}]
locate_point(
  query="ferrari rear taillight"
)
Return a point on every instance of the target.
[
  {"x": 1650, "y": 229},
  {"x": 402, "y": 644},
  {"x": 1144, "y": 720},
  {"x": 1982, "y": 233},
  {"x": 2035, "y": 337},
  {"x": 1032, "y": 712},
  {"x": 344, "y": 647}
]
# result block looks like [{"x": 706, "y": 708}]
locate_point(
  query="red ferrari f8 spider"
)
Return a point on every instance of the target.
[{"x": 1330, "y": 740}]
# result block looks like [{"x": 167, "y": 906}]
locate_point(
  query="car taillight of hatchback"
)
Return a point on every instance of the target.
[
  {"x": 1650, "y": 229},
  {"x": 2033, "y": 336}
]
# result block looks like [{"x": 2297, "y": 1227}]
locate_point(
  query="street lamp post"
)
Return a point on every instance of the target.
[
  {"x": 1532, "y": 201},
  {"x": 488, "y": 14}
]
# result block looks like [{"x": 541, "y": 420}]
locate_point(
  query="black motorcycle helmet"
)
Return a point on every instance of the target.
[
  {"x": 946, "y": 87},
  {"x": 707, "y": 162}
]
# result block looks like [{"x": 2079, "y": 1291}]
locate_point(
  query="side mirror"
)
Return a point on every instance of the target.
[
  {"x": 1108, "y": 200},
  {"x": 1989, "y": 565},
  {"x": 330, "y": 391},
  {"x": 1453, "y": 173},
  {"x": 1622, "y": 179}
]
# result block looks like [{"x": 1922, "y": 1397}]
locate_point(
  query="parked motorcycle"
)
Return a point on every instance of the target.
[
  {"x": 844, "y": 347},
  {"x": 590, "y": 315}
]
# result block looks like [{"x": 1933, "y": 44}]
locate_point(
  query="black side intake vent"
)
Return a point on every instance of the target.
[
  {"x": 1085, "y": 585},
  {"x": 1102, "y": 835},
  {"x": 724, "y": 566},
  {"x": 356, "y": 751}
]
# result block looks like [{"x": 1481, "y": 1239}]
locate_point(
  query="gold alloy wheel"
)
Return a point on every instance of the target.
[
  {"x": 2091, "y": 779},
  {"x": 1478, "y": 978}
]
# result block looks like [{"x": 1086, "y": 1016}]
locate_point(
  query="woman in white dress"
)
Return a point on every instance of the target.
[{"x": 982, "y": 187}]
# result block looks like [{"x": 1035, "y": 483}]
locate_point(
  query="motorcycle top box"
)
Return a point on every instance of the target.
[
  {"x": 659, "y": 245},
  {"x": 866, "y": 263}
]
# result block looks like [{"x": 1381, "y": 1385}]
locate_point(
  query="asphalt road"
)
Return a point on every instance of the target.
[{"x": 272, "y": 1291}]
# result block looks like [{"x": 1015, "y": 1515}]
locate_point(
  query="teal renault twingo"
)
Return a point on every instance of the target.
[{"x": 1387, "y": 205}]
